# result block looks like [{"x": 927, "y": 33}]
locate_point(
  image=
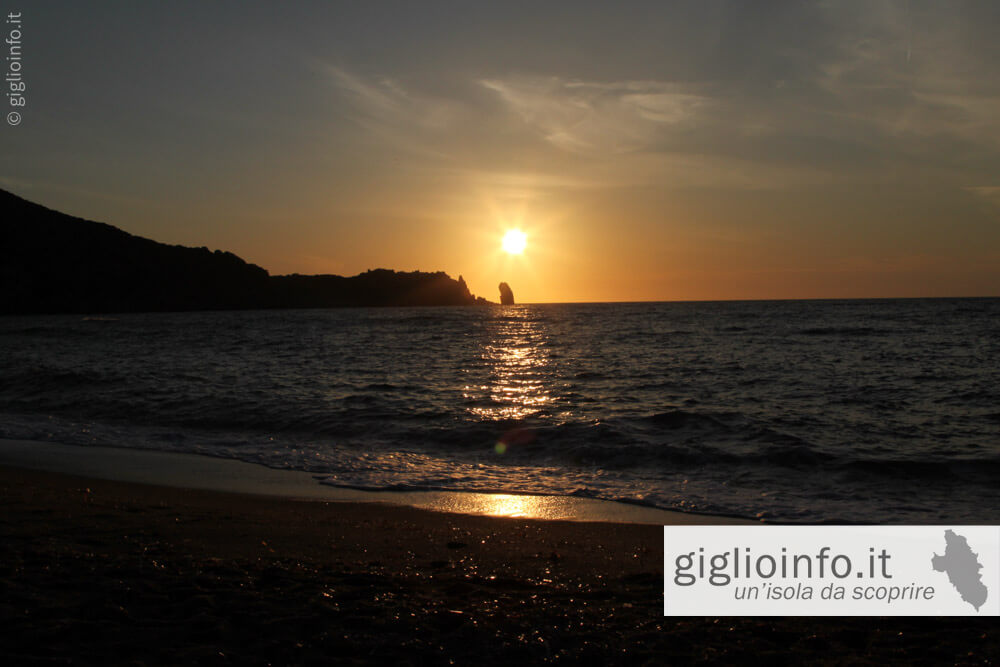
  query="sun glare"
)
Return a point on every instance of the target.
[{"x": 514, "y": 242}]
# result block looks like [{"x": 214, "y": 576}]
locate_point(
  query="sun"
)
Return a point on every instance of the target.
[{"x": 514, "y": 242}]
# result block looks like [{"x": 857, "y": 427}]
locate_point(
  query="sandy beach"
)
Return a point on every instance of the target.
[{"x": 98, "y": 572}]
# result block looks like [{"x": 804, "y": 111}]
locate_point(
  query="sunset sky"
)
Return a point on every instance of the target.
[{"x": 648, "y": 151}]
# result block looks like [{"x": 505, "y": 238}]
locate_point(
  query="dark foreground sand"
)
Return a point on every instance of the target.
[{"x": 107, "y": 572}]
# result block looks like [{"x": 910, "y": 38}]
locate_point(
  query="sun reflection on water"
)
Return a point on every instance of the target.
[
  {"x": 518, "y": 370},
  {"x": 506, "y": 505}
]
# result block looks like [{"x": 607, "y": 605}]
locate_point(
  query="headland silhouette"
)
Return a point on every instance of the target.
[{"x": 57, "y": 263}]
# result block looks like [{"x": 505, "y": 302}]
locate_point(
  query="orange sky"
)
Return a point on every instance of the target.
[{"x": 710, "y": 150}]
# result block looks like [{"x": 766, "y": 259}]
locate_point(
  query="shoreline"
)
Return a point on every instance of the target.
[
  {"x": 210, "y": 473},
  {"x": 96, "y": 571}
]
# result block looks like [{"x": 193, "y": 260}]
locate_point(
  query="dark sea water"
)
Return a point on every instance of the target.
[{"x": 872, "y": 411}]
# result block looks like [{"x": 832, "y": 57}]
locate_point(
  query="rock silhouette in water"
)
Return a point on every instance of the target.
[
  {"x": 55, "y": 263},
  {"x": 506, "y": 295}
]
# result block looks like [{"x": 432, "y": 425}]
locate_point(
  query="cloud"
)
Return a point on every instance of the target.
[
  {"x": 911, "y": 71},
  {"x": 386, "y": 101},
  {"x": 825, "y": 93},
  {"x": 990, "y": 193},
  {"x": 597, "y": 117},
  {"x": 404, "y": 119}
]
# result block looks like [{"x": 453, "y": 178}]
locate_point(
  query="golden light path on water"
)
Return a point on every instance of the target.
[
  {"x": 518, "y": 366},
  {"x": 559, "y": 508},
  {"x": 498, "y": 504}
]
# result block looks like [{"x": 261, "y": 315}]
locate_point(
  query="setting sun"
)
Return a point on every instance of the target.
[{"x": 514, "y": 241}]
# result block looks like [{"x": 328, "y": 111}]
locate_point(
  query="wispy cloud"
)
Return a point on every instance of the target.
[
  {"x": 910, "y": 73},
  {"x": 884, "y": 96},
  {"x": 990, "y": 193},
  {"x": 385, "y": 101},
  {"x": 597, "y": 117},
  {"x": 404, "y": 119}
]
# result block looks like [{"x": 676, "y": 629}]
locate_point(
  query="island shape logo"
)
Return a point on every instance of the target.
[{"x": 962, "y": 566}]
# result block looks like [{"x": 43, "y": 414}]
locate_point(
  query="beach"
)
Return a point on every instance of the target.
[{"x": 102, "y": 571}]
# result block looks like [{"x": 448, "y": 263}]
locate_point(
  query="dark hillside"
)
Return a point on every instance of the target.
[{"x": 55, "y": 263}]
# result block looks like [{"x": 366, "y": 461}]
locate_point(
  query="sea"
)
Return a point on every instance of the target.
[{"x": 870, "y": 411}]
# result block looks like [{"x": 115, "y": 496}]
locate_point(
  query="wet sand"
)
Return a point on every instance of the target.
[
  {"x": 100, "y": 572},
  {"x": 196, "y": 471}
]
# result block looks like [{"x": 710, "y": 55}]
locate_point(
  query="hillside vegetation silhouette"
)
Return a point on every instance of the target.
[{"x": 51, "y": 262}]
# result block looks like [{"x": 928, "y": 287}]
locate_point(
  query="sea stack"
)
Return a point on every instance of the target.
[{"x": 506, "y": 295}]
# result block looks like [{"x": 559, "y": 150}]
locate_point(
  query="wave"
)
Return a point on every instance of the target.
[
  {"x": 847, "y": 401},
  {"x": 34, "y": 380},
  {"x": 49, "y": 332},
  {"x": 846, "y": 331},
  {"x": 929, "y": 469}
]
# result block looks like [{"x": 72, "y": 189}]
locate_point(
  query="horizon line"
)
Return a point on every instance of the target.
[{"x": 761, "y": 299}]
